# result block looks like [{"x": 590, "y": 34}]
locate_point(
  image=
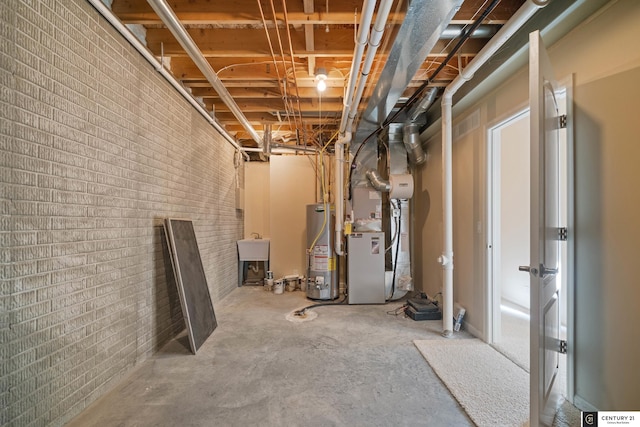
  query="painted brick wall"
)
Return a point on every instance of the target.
[{"x": 96, "y": 148}]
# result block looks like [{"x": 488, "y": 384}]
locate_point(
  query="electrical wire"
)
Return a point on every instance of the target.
[
  {"x": 395, "y": 262},
  {"x": 398, "y": 311},
  {"x": 320, "y": 304}
]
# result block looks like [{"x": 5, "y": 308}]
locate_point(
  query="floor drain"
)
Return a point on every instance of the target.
[{"x": 306, "y": 317}]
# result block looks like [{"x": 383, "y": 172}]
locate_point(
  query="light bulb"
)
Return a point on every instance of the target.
[{"x": 322, "y": 85}]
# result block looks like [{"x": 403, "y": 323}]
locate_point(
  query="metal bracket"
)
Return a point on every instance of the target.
[
  {"x": 562, "y": 233},
  {"x": 562, "y": 121},
  {"x": 563, "y": 347}
]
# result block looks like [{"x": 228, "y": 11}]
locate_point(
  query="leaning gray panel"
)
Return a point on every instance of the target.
[{"x": 191, "y": 281}]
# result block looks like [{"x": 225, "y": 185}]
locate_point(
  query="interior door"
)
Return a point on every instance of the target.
[{"x": 545, "y": 237}]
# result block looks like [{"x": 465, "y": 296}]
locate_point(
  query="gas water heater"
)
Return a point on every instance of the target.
[{"x": 322, "y": 264}]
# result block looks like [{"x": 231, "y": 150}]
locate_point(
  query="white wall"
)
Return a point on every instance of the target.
[
  {"x": 292, "y": 189},
  {"x": 601, "y": 55},
  {"x": 257, "y": 192},
  {"x": 513, "y": 146}
]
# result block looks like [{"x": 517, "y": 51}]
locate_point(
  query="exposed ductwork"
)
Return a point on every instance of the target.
[
  {"x": 418, "y": 34},
  {"x": 425, "y": 102},
  {"x": 411, "y": 139},
  {"x": 169, "y": 18},
  {"x": 377, "y": 181}
]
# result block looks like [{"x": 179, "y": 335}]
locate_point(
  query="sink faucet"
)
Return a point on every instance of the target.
[{"x": 257, "y": 235}]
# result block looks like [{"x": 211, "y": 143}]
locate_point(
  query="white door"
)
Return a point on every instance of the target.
[{"x": 545, "y": 236}]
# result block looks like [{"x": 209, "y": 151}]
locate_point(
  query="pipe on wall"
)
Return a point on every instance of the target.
[
  {"x": 374, "y": 43},
  {"x": 142, "y": 49},
  {"x": 340, "y": 144},
  {"x": 352, "y": 99},
  {"x": 169, "y": 18},
  {"x": 521, "y": 16},
  {"x": 361, "y": 40}
]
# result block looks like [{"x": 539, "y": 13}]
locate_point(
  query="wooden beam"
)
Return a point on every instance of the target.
[
  {"x": 331, "y": 94},
  {"x": 268, "y": 105},
  {"x": 246, "y": 12},
  {"x": 250, "y": 42},
  {"x": 239, "y": 12}
]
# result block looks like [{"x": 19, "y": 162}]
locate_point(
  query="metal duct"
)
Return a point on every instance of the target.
[
  {"x": 420, "y": 30},
  {"x": 411, "y": 139},
  {"x": 268, "y": 137},
  {"x": 423, "y": 105},
  {"x": 377, "y": 181},
  {"x": 169, "y": 18}
]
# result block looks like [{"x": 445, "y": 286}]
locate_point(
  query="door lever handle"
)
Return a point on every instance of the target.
[{"x": 548, "y": 271}]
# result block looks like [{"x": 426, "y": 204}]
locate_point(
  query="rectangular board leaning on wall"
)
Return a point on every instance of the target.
[{"x": 191, "y": 281}]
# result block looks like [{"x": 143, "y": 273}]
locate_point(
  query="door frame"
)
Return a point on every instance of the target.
[
  {"x": 566, "y": 85},
  {"x": 492, "y": 318}
]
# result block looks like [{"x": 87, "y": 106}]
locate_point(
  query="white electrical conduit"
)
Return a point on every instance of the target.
[
  {"x": 368, "y": 7},
  {"x": 374, "y": 43},
  {"x": 347, "y": 120},
  {"x": 169, "y": 18},
  {"x": 142, "y": 49},
  {"x": 446, "y": 259},
  {"x": 361, "y": 41},
  {"x": 339, "y": 184}
]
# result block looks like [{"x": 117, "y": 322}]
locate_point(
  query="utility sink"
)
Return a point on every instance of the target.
[{"x": 253, "y": 249}]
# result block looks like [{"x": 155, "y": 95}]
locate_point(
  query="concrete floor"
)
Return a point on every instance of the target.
[{"x": 351, "y": 366}]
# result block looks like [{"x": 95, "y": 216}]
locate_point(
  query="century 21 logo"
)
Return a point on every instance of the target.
[{"x": 590, "y": 418}]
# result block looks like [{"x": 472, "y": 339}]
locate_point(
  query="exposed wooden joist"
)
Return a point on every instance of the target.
[
  {"x": 268, "y": 93},
  {"x": 259, "y": 105},
  {"x": 246, "y": 12},
  {"x": 237, "y": 12},
  {"x": 249, "y": 42}
]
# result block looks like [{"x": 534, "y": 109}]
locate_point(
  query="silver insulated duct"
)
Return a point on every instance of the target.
[
  {"x": 423, "y": 24},
  {"x": 411, "y": 139}
]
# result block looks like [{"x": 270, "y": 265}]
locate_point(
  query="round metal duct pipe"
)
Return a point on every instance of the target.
[
  {"x": 411, "y": 139},
  {"x": 377, "y": 181}
]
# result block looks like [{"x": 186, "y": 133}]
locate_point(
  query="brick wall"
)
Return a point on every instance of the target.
[{"x": 96, "y": 148}]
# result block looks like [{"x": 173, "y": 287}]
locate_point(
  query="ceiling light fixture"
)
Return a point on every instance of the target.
[{"x": 321, "y": 79}]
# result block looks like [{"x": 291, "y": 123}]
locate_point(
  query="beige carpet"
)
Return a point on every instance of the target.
[
  {"x": 491, "y": 388},
  {"x": 514, "y": 338}
]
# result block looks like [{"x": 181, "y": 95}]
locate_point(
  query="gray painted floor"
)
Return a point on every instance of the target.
[{"x": 351, "y": 366}]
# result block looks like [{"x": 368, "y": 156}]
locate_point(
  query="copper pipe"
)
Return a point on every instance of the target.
[
  {"x": 293, "y": 65},
  {"x": 285, "y": 98},
  {"x": 284, "y": 63}
]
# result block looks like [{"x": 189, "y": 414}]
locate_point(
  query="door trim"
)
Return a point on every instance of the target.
[
  {"x": 492, "y": 246},
  {"x": 566, "y": 85}
]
